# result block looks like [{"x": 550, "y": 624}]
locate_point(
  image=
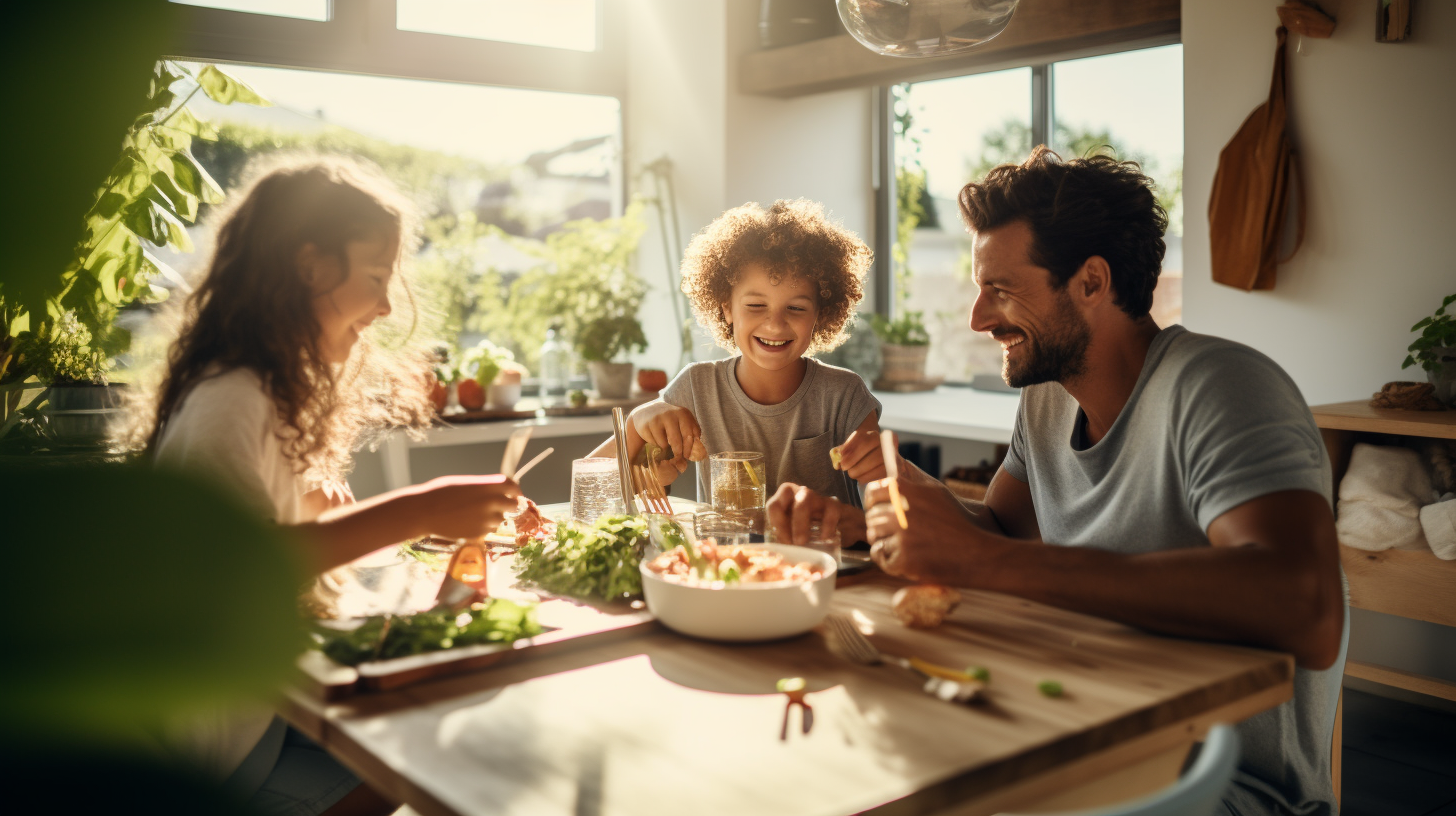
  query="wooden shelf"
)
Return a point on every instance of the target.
[
  {"x": 1359, "y": 416},
  {"x": 1407, "y": 680},
  {"x": 1039, "y": 32},
  {"x": 1410, "y": 584}
]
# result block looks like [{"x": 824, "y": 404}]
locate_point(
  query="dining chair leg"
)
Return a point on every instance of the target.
[{"x": 1337, "y": 744}]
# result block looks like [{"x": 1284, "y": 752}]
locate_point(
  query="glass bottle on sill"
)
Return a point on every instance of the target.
[{"x": 555, "y": 367}]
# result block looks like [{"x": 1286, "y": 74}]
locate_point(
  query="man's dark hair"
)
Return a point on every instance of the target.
[{"x": 1076, "y": 209}]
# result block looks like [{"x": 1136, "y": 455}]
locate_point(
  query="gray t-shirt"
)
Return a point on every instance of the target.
[
  {"x": 794, "y": 436},
  {"x": 1210, "y": 425}
]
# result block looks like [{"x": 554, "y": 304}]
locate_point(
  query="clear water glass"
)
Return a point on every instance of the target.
[
  {"x": 825, "y": 541},
  {"x": 738, "y": 486},
  {"x": 722, "y": 530},
  {"x": 596, "y": 489}
]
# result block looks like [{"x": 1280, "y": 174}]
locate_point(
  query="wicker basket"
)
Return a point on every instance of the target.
[{"x": 903, "y": 363}]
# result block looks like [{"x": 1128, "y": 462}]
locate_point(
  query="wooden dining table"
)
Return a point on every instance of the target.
[{"x": 660, "y": 723}]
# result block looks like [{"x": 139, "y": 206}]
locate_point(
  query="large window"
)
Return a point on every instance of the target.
[
  {"x": 952, "y": 131},
  {"x": 494, "y": 171}
]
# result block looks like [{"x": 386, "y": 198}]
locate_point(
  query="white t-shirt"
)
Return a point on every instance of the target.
[{"x": 226, "y": 426}]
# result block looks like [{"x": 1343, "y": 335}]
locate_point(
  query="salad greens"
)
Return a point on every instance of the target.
[
  {"x": 600, "y": 561},
  {"x": 382, "y": 637}
]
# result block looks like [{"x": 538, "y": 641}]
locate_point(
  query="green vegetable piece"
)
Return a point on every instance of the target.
[
  {"x": 1050, "y": 688},
  {"x": 728, "y": 571},
  {"x": 980, "y": 673},
  {"x": 600, "y": 561},
  {"x": 788, "y": 684},
  {"x": 495, "y": 621}
]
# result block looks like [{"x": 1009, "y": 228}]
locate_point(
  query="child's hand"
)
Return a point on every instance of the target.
[
  {"x": 464, "y": 506},
  {"x": 860, "y": 455},
  {"x": 670, "y": 426}
]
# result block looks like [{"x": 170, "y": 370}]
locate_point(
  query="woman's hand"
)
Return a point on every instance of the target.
[
  {"x": 463, "y": 506},
  {"x": 670, "y": 426}
]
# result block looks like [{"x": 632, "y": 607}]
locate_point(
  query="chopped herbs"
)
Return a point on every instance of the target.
[
  {"x": 382, "y": 637},
  {"x": 1049, "y": 688},
  {"x": 601, "y": 561},
  {"x": 980, "y": 673}
]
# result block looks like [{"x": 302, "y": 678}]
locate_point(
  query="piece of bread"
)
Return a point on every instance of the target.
[{"x": 924, "y": 606}]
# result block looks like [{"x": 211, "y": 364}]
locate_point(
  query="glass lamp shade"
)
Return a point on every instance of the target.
[{"x": 925, "y": 28}]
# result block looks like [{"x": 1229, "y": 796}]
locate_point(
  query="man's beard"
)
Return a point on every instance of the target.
[{"x": 1057, "y": 356}]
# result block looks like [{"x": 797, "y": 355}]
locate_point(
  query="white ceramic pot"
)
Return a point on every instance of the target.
[
  {"x": 502, "y": 397},
  {"x": 611, "y": 380},
  {"x": 744, "y": 612},
  {"x": 903, "y": 363}
]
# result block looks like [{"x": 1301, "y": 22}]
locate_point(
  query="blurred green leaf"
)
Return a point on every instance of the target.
[
  {"x": 180, "y": 627},
  {"x": 226, "y": 89}
]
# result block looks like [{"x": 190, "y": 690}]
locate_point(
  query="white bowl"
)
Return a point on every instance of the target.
[{"x": 744, "y": 612}]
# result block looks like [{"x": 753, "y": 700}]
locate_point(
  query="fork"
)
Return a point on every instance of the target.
[
  {"x": 650, "y": 490},
  {"x": 850, "y": 643}
]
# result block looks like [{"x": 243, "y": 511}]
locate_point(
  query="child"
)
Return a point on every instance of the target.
[
  {"x": 272, "y": 380},
  {"x": 774, "y": 286}
]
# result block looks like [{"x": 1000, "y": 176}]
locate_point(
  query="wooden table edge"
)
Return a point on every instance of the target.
[{"x": 949, "y": 797}]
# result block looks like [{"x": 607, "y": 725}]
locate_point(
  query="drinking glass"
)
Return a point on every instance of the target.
[
  {"x": 825, "y": 541},
  {"x": 722, "y": 530},
  {"x": 596, "y": 489},
  {"x": 738, "y": 485}
]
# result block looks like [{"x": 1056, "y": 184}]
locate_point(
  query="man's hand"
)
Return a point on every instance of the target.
[
  {"x": 939, "y": 543},
  {"x": 794, "y": 508}
]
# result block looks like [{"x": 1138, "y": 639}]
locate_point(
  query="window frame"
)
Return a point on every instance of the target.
[
  {"x": 361, "y": 37},
  {"x": 1043, "y": 119}
]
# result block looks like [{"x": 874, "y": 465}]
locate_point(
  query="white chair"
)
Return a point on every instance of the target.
[{"x": 1196, "y": 793}]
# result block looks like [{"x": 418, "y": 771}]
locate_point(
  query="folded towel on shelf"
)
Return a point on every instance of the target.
[
  {"x": 1438, "y": 522},
  {"x": 1381, "y": 498}
]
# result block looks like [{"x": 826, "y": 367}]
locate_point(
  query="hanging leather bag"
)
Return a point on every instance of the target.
[{"x": 1248, "y": 210}]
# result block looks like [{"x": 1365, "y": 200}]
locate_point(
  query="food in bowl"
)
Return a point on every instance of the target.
[
  {"x": 741, "y": 610},
  {"x": 712, "y": 565}
]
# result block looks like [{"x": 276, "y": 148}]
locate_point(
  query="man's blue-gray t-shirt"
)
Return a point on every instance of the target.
[{"x": 1210, "y": 425}]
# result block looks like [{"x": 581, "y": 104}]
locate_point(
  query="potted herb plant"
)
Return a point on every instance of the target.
[
  {"x": 600, "y": 343},
  {"x": 904, "y": 344},
  {"x": 58, "y": 331},
  {"x": 588, "y": 285},
  {"x": 1435, "y": 351}
]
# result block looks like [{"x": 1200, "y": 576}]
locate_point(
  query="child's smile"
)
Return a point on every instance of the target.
[{"x": 773, "y": 323}]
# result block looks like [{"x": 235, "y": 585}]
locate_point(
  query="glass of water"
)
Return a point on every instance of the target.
[
  {"x": 596, "y": 489},
  {"x": 738, "y": 482},
  {"x": 825, "y": 541},
  {"x": 723, "y": 530}
]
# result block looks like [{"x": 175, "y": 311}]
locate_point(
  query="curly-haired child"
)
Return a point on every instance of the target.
[{"x": 775, "y": 286}]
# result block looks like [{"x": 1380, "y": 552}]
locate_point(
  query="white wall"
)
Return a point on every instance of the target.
[
  {"x": 815, "y": 147},
  {"x": 675, "y": 107},
  {"x": 1373, "y": 125},
  {"x": 729, "y": 148}
]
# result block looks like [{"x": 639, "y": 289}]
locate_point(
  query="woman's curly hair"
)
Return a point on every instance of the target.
[
  {"x": 789, "y": 238},
  {"x": 253, "y": 310}
]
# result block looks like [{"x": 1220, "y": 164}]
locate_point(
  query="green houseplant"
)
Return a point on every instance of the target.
[
  {"x": 904, "y": 345},
  {"x": 588, "y": 283},
  {"x": 1435, "y": 351},
  {"x": 58, "y": 332}
]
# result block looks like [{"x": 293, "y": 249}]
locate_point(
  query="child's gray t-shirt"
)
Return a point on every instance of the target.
[
  {"x": 1210, "y": 425},
  {"x": 794, "y": 436}
]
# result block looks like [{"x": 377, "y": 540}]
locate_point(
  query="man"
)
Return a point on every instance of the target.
[{"x": 1172, "y": 481}]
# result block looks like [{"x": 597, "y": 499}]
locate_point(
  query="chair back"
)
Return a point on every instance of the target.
[{"x": 1197, "y": 793}]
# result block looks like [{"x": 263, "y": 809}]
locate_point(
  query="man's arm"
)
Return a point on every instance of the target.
[{"x": 1271, "y": 578}]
